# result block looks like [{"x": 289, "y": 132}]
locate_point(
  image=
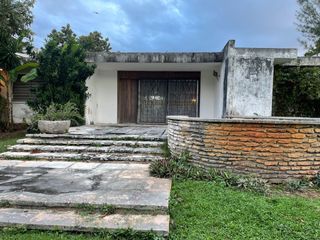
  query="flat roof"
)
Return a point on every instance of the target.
[{"x": 155, "y": 57}]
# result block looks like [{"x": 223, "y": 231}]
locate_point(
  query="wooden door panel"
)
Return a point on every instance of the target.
[{"x": 127, "y": 100}]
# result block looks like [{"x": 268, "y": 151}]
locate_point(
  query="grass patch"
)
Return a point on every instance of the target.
[
  {"x": 24, "y": 234},
  {"x": 204, "y": 210},
  {"x": 7, "y": 141},
  {"x": 87, "y": 209}
]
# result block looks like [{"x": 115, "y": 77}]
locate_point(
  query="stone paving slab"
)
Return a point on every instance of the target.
[
  {"x": 97, "y": 149},
  {"x": 134, "y": 130},
  {"x": 85, "y": 156},
  {"x": 90, "y": 142},
  {"x": 143, "y": 137},
  {"x": 72, "y": 221},
  {"x": 32, "y": 183}
]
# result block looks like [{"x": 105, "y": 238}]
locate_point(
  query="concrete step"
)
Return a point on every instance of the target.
[
  {"x": 146, "y": 137},
  {"x": 55, "y": 184},
  {"x": 85, "y": 156},
  {"x": 48, "y": 219},
  {"x": 89, "y": 142},
  {"x": 81, "y": 149}
]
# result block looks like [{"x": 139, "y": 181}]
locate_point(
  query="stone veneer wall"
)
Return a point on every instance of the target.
[{"x": 274, "y": 149}]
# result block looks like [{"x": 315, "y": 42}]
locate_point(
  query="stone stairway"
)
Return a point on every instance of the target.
[
  {"x": 85, "y": 182},
  {"x": 87, "y": 147}
]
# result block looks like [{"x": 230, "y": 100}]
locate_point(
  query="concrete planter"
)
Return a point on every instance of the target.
[{"x": 54, "y": 126}]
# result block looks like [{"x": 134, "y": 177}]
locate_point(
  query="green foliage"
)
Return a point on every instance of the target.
[
  {"x": 308, "y": 24},
  {"x": 9, "y": 140},
  {"x": 94, "y": 42},
  {"x": 63, "y": 70},
  {"x": 317, "y": 180},
  {"x": 298, "y": 185},
  {"x": 179, "y": 168},
  {"x": 28, "y": 69},
  {"x": 15, "y": 30},
  {"x": 29, "y": 76},
  {"x": 296, "y": 91},
  {"x": 15, "y": 37},
  {"x": 16, "y": 17},
  {"x": 57, "y": 112},
  {"x": 165, "y": 149}
]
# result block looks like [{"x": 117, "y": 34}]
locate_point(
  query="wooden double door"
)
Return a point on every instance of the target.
[{"x": 149, "y": 97}]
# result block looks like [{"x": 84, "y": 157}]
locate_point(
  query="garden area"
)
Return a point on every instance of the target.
[{"x": 213, "y": 209}]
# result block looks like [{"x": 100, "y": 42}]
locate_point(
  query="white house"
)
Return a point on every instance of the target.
[{"x": 145, "y": 87}]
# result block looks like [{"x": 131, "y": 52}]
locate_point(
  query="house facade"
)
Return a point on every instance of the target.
[{"x": 146, "y": 87}]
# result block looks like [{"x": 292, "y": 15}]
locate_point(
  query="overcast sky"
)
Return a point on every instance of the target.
[{"x": 173, "y": 25}]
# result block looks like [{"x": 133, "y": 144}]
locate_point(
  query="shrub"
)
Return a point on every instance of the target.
[
  {"x": 56, "y": 112},
  {"x": 253, "y": 184},
  {"x": 317, "y": 180},
  {"x": 179, "y": 168},
  {"x": 68, "y": 111},
  {"x": 298, "y": 185}
]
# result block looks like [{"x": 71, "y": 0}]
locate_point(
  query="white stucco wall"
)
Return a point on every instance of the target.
[
  {"x": 208, "y": 100},
  {"x": 250, "y": 83},
  {"x": 101, "y": 106}
]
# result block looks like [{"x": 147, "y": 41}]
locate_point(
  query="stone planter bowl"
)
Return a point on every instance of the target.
[{"x": 54, "y": 126}]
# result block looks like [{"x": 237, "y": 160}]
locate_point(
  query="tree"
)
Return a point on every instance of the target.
[
  {"x": 16, "y": 17},
  {"x": 309, "y": 25},
  {"x": 94, "y": 42},
  {"x": 15, "y": 37},
  {"x": 63, "y": 70}
]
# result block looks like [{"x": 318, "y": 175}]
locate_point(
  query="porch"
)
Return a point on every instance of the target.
[{"x": 145, "y": 88}]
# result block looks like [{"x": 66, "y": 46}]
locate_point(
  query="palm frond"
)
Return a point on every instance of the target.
[{"x": 32, "y": 74}]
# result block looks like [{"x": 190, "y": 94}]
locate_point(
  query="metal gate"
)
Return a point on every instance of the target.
[{"x": 159, "y": 98}]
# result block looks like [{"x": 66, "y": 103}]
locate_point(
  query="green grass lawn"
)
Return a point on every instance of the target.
[
  {"x": 202, "y": 210},
  {"x": 9, "y": 140}
]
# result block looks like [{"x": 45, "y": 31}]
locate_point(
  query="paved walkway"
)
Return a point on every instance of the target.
[{"x": 62, "y": 184}]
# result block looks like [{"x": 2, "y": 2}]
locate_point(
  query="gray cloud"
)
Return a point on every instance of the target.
[{"x": 173, "y": 25}]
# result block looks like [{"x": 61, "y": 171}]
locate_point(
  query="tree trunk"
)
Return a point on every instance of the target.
[
  {"x": 8, "y": 85},
  {"x": 10, "y": 113}
]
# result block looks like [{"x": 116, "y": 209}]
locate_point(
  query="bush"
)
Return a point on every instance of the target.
[
  {"x": 57, "y": 112},
  {"x": 179, "y": 168},
  {"x": 63, "y": 72},
  {"x": 317, "y": 180},
  {"x": 298, "y": 185}
]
